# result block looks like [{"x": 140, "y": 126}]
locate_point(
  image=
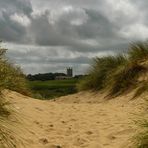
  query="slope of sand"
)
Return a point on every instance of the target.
[{"x": 82, "y": 120}]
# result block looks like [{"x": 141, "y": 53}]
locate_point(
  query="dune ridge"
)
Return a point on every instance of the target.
[{"x": 82, "y": 120}]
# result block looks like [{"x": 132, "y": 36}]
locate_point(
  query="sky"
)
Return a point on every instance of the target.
[{"x": 50, "y": 35}]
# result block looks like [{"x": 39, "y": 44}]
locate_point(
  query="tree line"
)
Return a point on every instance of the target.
[
  {"x": 44, "y": 76},
  {"x": 49, "y": 76}
]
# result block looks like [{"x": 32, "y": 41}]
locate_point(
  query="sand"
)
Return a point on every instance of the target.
[{"x": 81, "y": 120}]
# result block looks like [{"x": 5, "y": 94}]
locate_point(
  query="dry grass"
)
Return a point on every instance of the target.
[
  {"x": 141, "y": 139},
  {"x": 12, "y": 78},
  {"x": 120, "y": 73},
  {"x": 99, "y": 72}
]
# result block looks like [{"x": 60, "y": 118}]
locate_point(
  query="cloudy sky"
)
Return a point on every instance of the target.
[{"x": 50, "y": 35}]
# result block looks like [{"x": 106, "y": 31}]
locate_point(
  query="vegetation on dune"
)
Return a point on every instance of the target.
[
  {"x": 11, "y": 78},
  {"x": 100, "y": 71},
  {"x": 141, "y": 139},
  {"x": 125, "y": 78},
  {"x": 138, "y": 52},
  {"x": 119, "y": 73}
]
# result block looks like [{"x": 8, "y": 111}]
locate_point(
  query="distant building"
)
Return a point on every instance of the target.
[
  {"x": 69, "y": 72},
  {"x": 68, "y": 75}
]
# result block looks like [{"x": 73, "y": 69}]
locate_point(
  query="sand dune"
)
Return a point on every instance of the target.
[{"x": 82, "y": 120}]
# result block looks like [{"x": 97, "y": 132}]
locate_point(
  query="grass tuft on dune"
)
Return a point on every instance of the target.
[
  {"x": 11, "y": 77},
  {"x": 118, "y": 73}
]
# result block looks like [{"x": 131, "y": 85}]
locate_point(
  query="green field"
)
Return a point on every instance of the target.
[{"x": 52, "y": 88}]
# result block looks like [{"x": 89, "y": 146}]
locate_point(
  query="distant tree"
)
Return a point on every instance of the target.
[{"x": 44, "y": 77}]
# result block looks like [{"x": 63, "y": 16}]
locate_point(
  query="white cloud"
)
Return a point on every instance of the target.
[
  {"x": 135, "y": 32},
  {"x": 21, "y": 19},
  {"x": 121, "y": 11}
]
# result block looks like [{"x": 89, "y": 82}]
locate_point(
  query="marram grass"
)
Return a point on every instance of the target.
[
  {"x": 11, "y": 77},
  {"x": 118, "y": 74}
]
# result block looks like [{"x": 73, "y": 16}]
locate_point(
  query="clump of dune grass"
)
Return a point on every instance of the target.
[
  {"x": 143, "y": 87},
  {"x": 141, "y": 138},
  {"x": 11, "y": 77},
  {"x": 125, "y": 78},
  {"x": 138, "y": 52},
  {"x": 119, "y": 73},
  {"x": 5, "y": 112},
  {"x": 100, "y": 69}
]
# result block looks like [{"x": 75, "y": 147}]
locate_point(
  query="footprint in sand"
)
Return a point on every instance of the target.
[
  {"x": 81, "y": 142},
  {"x": 39, "y": 124},
  {"x": 111, "y": 137},
  {"x": 89, "y": 132},
  {"x": 43, "y": 141},
  {"x": 49, "y": 128},
  {"x": 64, "y": 122}
]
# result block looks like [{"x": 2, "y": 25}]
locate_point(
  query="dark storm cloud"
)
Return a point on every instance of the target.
[
  {"x": 16, "y": 6},
  {"x": 38, "y": 60},
  {"x": 73, "y": 26},
  {"x": 50, "y": 35},
  {"x": 98, "y": 27},
  {"x": 11, "y": 30},
  {"x": 61, "y": 32},
  {"x": 92, "y": 35}
]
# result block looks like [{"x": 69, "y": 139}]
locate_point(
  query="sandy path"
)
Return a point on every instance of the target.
[{"x": 76, "y": 125}]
